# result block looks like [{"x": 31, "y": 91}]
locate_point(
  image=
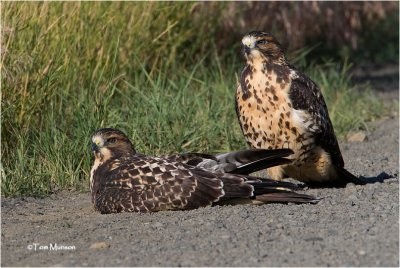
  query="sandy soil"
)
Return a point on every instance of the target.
[{"x": 352, "y": 226}]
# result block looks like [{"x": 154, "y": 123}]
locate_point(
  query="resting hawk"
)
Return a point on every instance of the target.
[
  {"x": 123, "y": 180},
  {"x": 280, "y": 107}
]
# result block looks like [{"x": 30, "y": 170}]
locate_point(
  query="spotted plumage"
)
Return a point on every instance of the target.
[
  {"x": 124, "y": 180},
  {"x": 280, "y": 107}
]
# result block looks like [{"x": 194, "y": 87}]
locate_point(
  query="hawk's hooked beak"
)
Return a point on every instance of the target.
[
  {"x": 246, "y": 50},
  {"x": 249, "y": 43},
  {"x": 95, "y": 148},
  {"x": 97, "y": 143}
]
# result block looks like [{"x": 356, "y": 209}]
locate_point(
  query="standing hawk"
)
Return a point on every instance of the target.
[
  {"x": 123, "y": 180},
  {"x": 280, "y": 107}
]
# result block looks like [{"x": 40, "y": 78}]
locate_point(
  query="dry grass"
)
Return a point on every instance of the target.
[{"x": 300, "y": 24}]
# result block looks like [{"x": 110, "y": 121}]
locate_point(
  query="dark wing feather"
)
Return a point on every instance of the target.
[
  {"x": 253, "y": 160},
  {"x": 239, "y": 162},
  {"x": 264, "y": 190},
  {"x": 305, "y": 95}
]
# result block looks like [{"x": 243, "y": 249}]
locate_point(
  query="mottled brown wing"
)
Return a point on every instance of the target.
[
  {"x": 305, "y": 95},
  {"x": 139, "y": 183}
]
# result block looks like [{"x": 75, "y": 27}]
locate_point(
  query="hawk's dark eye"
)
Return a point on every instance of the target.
[
  {"x": 262, "y": 42},
  {"x": 111, "y": 140}
]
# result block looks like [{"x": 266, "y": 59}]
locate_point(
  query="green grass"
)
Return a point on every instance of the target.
[
  {"x": 71, "y": 68},
  {"x": 349, "y": 106}
]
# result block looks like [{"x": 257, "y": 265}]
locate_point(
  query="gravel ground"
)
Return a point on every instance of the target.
[{"x": 352, "y": 226}]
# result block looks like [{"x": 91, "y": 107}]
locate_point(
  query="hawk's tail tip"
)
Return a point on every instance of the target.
[
  {"x": 288, "y": 197},
  {"x": 348, "y": 177}
]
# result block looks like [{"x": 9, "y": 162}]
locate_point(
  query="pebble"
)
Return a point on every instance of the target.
[
  {"x": 359, "y": 136},
  {"x": 99, "y": 245},
  {"x": 157, "y": 224},
  {"x": 350, "y": 189}
]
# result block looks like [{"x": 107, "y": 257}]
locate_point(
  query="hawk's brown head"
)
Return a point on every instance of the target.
[
  {"x": 108, "y": 143},
  {"x": 262, "y": 46}
]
